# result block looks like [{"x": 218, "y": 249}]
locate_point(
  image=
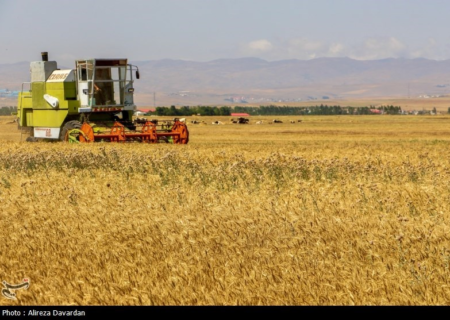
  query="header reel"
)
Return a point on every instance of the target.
[{"x": 175, "y": 132}]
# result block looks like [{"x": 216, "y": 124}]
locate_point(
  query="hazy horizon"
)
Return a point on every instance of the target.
[
  {"x": 208, "y": 30},
  {"x": 37, "y": 57}
]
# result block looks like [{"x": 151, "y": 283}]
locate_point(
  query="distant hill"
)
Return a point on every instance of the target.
[{"x": 256, "y": 80}]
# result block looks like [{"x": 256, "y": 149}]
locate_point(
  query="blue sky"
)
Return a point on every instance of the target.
[{"x": 204, "y": 30}]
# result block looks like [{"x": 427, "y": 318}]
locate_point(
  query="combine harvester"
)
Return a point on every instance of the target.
[{"x": 93, "y": 102}]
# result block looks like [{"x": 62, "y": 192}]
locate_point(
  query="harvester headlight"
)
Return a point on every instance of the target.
[{"x": 130, "y": 90}]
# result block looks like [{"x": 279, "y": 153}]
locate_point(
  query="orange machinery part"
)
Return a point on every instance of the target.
[{"x": 148, "y": 134}]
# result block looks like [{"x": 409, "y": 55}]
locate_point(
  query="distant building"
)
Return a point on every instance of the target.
[
  {"x": 144, "y": 111},
  {"x": 6, "y": 93}
]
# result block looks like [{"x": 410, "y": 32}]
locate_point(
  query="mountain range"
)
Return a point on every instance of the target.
[{"x": 253, "y": 80}]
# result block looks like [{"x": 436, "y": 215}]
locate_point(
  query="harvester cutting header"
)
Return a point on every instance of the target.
[{"x": 93, "y": 102}]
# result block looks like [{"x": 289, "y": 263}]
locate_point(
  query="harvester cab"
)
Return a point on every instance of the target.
[{"x": 93, "y": 102}]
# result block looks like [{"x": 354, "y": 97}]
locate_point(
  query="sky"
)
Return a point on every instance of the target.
[{"x": 205, "y": 30}]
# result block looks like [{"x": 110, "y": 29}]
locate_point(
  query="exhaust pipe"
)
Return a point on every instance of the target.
[{"x": 44, "y": 56}]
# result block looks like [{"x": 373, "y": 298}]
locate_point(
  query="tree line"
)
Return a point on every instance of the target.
[
  {"x": 189, "y": 111},
  {"x": 7, "y": 111},
  {"x": 273, "y": 110},
  {"x": 261, "y": 110}
]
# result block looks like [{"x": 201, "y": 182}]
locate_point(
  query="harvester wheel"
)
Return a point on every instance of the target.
[
  {"x": 31, "y": 139},
  {"x": 70, "y": 131}
]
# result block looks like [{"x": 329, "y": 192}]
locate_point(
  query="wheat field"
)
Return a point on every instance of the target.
[{"x": 333, "y": 210}]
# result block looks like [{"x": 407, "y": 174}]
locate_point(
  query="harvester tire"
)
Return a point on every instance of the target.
[
  {"x": 69, "y": 126},
  {"x": 31, "y": 139}
]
